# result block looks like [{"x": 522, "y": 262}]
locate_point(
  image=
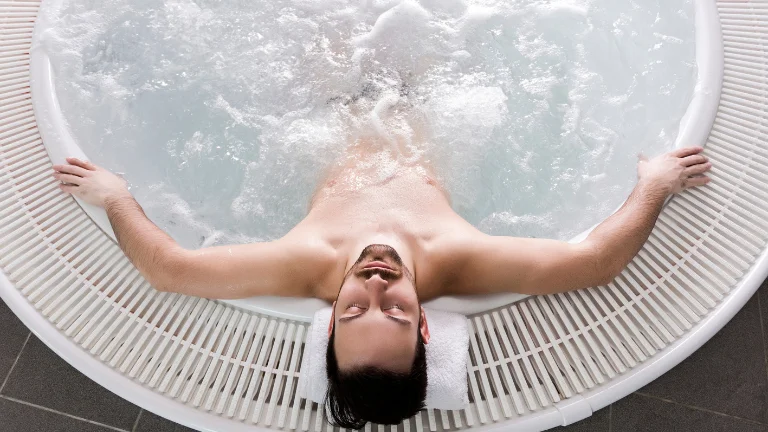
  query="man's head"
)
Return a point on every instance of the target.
[{"x": 376, "y": 362}]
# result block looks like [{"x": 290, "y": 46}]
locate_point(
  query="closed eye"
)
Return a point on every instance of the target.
[
  {"x": 359, "y": 306},
  {"x": 397, "y": 320}
]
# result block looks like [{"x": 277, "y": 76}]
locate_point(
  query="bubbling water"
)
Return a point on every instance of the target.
[{"x": 224, "y": 115}]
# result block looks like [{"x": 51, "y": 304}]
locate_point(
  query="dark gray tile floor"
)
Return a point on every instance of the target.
[{"x": 721, "y": 387}]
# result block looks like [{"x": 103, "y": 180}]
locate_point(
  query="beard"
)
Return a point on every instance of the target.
[
  {"x": 380, "y": 252},
  {"x": 386, "y": 254}
]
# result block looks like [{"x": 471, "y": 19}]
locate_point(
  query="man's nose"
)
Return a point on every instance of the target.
[{"x": 376, "y": 282}]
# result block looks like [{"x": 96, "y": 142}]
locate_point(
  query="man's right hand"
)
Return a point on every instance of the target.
[
  {"x": 91, "y": 183},
  {"x": 674, "y": 171}
]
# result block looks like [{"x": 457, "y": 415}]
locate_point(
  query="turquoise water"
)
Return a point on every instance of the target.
[{"x": 223, "y": 114}]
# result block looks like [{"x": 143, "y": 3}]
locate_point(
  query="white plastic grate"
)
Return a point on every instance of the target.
[{"x": 534, "y": 364}]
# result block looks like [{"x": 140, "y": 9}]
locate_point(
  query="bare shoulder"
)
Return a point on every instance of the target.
[
  {"x": 312, "y": 253},
  {"x": 316, "y": 262},
  {"x": 444, "y": 260}
]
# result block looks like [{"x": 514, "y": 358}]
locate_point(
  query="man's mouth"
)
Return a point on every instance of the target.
[{"x": 378, "y": 264}]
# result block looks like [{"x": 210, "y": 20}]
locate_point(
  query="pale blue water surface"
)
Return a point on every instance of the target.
[{"x": 224, "y": 114}]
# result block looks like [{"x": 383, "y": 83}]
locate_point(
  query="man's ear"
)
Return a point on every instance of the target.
[
  {"x": 333, "y": 314},
  {"x": 423, "y": 327}
]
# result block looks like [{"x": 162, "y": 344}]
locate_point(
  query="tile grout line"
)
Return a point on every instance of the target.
[
  {"x": 136, "y": 423},
  {"x": 16, "y": 360},
  {"x": 700, "y": 409},
  {"x": 762, "y": 327},
  {"x": 610, "y": 417},
  {"x": 61, "y": 413}
]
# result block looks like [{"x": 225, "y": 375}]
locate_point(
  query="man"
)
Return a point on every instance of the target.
[{"x": 376, "y": 249}]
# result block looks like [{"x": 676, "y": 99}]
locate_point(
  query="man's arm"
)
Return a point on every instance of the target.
[
  {"x": 225, "y": 272},
  {"x": 540, "y": 266}
]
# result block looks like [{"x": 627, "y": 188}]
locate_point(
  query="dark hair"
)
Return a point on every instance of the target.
[{"x": 372, "y": 394}]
